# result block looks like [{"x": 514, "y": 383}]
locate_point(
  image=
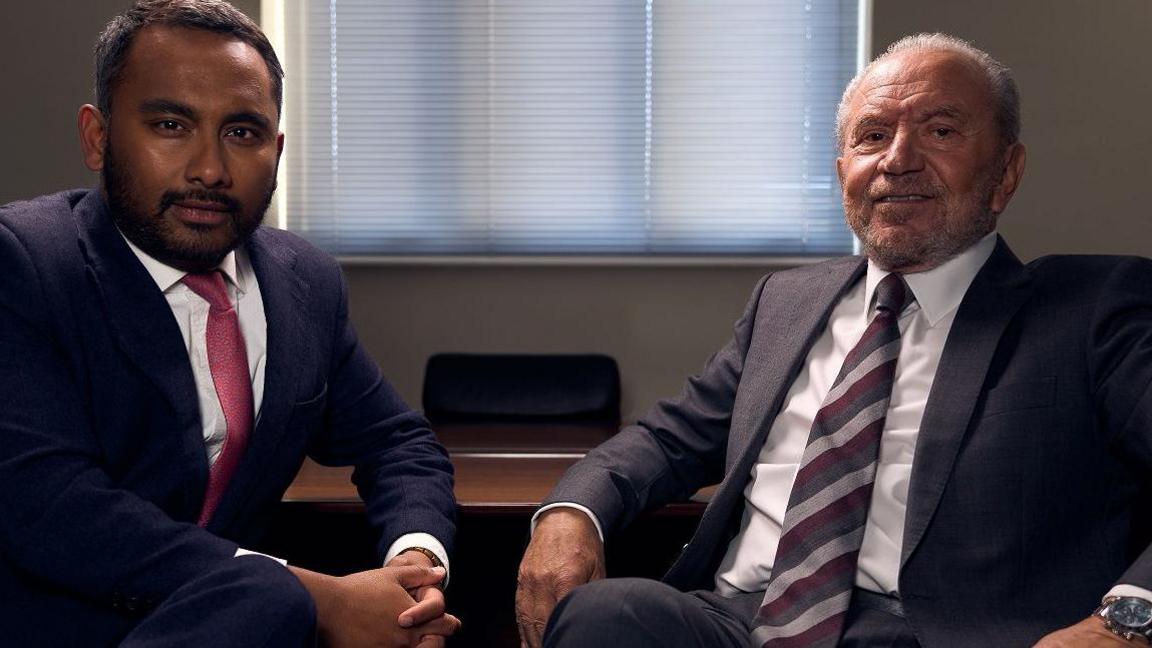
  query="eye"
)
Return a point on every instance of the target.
[
  {"x": 872, "y": 138},
  {"x": 942, "y": 132},
  {"x": 244, "y": 134},
  {"x": 168, "y": 126}
]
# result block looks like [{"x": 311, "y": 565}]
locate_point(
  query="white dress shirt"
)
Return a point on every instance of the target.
[
  {"x": 191, "y": 313},
  {"x": 924, "y": 327}
]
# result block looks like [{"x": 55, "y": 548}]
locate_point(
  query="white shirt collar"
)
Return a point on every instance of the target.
[
  {"x": 940, "y": 290},
  {"x": 235, "y": 270}
]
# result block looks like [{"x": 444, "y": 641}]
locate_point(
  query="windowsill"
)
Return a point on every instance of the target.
[{"x": 586, "y": 261}]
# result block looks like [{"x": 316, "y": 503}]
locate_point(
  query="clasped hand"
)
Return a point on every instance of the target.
[{"x": 396, "y": 606}]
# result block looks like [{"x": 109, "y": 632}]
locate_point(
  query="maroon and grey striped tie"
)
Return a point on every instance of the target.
[{"x": 811, "y": 584}]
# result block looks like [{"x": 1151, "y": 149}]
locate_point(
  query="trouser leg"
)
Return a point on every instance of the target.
[
  {"x": 875, "y": 621},
  {"x": 641, "y": 613}
]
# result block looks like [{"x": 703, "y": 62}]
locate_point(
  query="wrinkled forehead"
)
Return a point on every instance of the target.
[{"x": 924, "y": 81}]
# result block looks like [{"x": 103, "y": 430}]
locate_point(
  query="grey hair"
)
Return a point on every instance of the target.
[{"x": 999, "y": 77}]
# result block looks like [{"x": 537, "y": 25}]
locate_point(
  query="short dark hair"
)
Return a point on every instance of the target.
[{"x": 210, "y": 15}]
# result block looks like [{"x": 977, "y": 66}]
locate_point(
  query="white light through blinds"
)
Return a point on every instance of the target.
[{"x": 515, "y": 127}]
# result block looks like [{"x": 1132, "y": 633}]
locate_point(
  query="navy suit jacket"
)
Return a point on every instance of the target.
[
  {"x": 102, "y": 461},
  {"x": 1035, "y": 441}
]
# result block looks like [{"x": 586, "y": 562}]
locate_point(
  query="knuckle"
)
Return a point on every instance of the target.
[{"x": 527, "y": 580}]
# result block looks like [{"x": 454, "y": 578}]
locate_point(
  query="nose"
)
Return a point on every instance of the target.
[
  {"x": 208, "y": 165},
  {"x": 902, "y": 155}
]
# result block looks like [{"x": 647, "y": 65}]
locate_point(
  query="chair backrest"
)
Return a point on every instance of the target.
[{"x": 465, "y": 387}]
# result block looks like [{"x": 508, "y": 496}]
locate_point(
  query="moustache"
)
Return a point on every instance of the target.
[
  {"x": 228, "y": 203},
  {"x": 912, "y": 187}
]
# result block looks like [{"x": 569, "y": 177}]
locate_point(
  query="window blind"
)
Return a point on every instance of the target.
[{"x": 551, "y": 127}]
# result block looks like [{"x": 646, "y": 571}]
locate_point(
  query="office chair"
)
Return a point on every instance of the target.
[{"x": 543, "y": 388}]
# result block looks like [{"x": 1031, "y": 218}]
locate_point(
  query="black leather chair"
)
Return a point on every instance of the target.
[{"x": 478, "y": 388}]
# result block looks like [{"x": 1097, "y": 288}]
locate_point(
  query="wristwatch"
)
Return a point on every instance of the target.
[
  {"x": 1127, "y": 616},
  {"x": 436, "y": 562},
  {"x": 428, "y": 553}
]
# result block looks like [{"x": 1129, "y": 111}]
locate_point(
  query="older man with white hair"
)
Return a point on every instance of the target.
[{"x": 930, "y": 445}]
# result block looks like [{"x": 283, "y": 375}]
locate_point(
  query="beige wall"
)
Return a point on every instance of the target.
[
  {"x": 1082, "y": 68},
  {"x": 1085, "y": 73},
  {"x": 659, "y": 323},
  {"x": 45, "y": 75}
]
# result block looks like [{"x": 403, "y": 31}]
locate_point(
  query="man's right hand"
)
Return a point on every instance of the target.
[
  {"x": 362, "y": 609},
  {"x": 565, "y": 552}
]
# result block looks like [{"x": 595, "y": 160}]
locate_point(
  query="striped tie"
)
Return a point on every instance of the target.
[{"x": 811, "y": 583}]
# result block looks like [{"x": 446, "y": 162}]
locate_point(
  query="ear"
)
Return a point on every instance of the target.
[
  {"x": 840, "y": 170},
  {"x": 279, "y": 145},
  {"x": 1014, "y": 159},
  {"x": 93, "y": 136}
]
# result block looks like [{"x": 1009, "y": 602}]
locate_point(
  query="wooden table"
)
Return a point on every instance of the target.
[
  {"x": 500, "y": 468},
  {"x": 512, "y": 482},
  {"x": 502, "y": 474}
]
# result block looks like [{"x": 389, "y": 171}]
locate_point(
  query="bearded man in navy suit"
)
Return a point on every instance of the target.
[
  {"x": 119, "y": 403},
  {"x": 1011, "y": 447}
]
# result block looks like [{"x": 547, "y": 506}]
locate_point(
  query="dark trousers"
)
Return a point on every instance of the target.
[
  {"x": 640, "y": 613},
  {"x": 248, "y": 601}
]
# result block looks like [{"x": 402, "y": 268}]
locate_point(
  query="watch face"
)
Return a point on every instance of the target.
[{"x": 1131, "y": 612}]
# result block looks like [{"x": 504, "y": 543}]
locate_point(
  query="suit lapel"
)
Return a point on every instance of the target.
[
  {"x": 786, "y": 329},
  {"x": 792, "y": 312},
  {"x": 784, "y": 334},
  {"x": 283, "y": 293},
  {"x": 996, "y": 294},
  {"x": 143, "y": 327}
]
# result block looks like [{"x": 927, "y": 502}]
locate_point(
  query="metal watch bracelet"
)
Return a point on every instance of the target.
[
  {"x": 430, "y": 555},
  {"x": 1128, "y": 634}
]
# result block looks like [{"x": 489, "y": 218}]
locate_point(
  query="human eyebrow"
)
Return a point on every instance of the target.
[
  {"x": 865, "y": 124},
  {"x": 947, "y": 112},
  {"x": 250, "y": 118},
  {"x": 157, "y": 106},
  {"x": 868, "y": 121}
]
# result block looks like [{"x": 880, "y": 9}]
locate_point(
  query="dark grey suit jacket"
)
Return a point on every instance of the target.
[
  {"x": 102, "y": 463},
  {"x": 1036, "y": 438}
]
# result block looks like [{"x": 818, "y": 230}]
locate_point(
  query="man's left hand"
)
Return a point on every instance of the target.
[
  {"x": 430, "y": 602},
  {"x": 1089, "y": 633}
]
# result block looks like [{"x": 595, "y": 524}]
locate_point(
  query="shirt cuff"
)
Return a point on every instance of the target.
[
  {"x": 244, "y": 552},
  {"x": 425, "y": 540},
  {"x": 1130, "y": 590},
  {"x": 578, "y": 507}
]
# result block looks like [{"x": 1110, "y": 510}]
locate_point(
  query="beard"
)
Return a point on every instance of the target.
[
  {"x": 960, "y": 224},
  {"x": 183, "y": 246}
]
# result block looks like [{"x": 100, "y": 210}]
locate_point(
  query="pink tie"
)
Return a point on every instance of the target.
[{"x": 228, "y": 361}]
